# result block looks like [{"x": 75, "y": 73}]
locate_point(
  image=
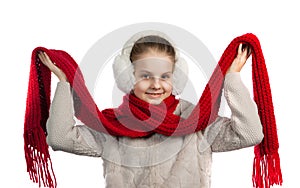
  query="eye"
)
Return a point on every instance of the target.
[
  {"x": 165, "y": 76},
  {"x": 145, "y": 76}
]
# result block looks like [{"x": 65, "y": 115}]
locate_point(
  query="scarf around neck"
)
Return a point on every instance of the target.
[{"x": 136, "y": 118}]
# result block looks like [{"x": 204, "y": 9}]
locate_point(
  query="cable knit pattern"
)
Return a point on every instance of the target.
[{"x": 157, "y": 160}]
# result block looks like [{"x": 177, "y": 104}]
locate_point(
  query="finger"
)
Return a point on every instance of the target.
[
  {"x": 247, "y": 48},
  {"x": 41, "y": 56},
  {"x": 49, "y": 60},
  {"x": 45, "y": 54},
  {"x": 45, "y": 61},
  {"x": 240, "y": 49},
  {"x": 249, "y": 51},
  {"x": 47, "y": 57},
  {"x": 245, "y": 51}
]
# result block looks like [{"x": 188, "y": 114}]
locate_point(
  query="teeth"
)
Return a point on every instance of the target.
[{"x": 154, "y": 93}]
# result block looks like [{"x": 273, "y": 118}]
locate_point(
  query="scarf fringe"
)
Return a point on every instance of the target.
[
  {"x": 39, "y": 165},
  {"x": 266, "y": 171}
]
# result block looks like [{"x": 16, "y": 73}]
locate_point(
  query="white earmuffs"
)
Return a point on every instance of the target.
[{"x": 124, "y": 70}]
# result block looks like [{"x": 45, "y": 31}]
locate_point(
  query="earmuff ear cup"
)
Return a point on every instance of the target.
[{"x": 123, "y": 73}]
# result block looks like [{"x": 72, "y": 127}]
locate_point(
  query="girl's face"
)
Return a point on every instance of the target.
[{"x": 153, "y": 75}]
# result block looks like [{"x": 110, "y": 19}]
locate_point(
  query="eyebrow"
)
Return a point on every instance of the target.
[{"x": 146, "y": 71}]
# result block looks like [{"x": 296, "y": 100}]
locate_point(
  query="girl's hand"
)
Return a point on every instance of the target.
[
  {"x": 244, "y": 51},
  {"x": 53, "y": 68}
]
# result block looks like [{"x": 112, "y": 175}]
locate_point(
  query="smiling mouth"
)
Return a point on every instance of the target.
[{"x": 154, "y": 94}]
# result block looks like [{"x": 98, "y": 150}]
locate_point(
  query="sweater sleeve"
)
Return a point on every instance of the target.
[
  {"x": 63, "y": 134},
  {"x": 244, "y": 128}
]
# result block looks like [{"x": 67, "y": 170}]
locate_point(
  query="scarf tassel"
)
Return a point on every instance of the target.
[
  {"x": 39, "y": 165},
  {"x": 266, "y": 171}
]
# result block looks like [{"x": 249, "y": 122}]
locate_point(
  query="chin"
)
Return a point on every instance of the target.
[{"x": 154, "y": 101}]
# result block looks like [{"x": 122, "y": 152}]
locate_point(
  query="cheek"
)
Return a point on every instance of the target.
[
  {"x": 141, "y": 86},
  {"x": 168, "y": 87}
]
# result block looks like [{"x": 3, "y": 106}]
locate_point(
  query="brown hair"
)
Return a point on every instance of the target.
[{"x": 151, "y": 42}]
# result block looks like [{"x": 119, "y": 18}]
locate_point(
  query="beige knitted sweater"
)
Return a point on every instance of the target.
[{"x": 158, "y": 161}]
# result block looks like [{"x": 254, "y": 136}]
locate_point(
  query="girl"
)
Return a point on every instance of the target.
[{"x": 153, "y": 76}]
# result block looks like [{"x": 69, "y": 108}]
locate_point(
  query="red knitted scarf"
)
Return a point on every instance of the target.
[{"x": 136, "y": 118}]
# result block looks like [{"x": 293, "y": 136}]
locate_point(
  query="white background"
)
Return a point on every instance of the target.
[{"x": 74, "y": 27}]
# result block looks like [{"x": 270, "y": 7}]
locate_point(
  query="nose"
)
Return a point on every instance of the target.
[{"x": 155, "y": 83}]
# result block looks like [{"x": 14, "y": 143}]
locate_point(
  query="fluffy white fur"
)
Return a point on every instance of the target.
[
  {"x": 124, "y": 73},
  {"x": 180, "y": 76},
  {"x": 123, "y": 68}
]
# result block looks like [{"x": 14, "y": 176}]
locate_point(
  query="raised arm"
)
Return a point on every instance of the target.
[
  {"x": 62, "y": 133},
  {"x": 244, "y": 128}
]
